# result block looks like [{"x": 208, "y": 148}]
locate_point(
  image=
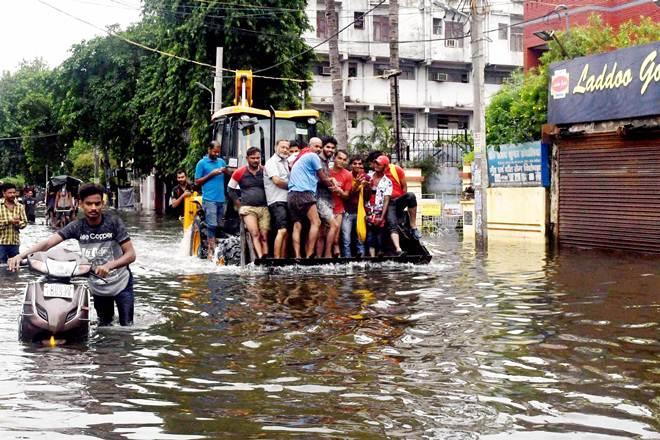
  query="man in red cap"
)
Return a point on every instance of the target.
[{"x": 401, "y": 199}]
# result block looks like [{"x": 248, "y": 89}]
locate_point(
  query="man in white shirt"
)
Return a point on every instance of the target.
[{"x": 276, "y": 184}]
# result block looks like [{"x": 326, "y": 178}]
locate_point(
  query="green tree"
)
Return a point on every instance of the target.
[
  {"x": 379, "y": 137},
  {"x": 255, "y": 35},
  {"x": 28, "y": 112},
  {"x": 516, "y": 113},
  {"x": 97, "y": 86}
]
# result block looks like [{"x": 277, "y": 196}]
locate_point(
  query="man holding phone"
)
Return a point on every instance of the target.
[
  {"x": 209, "y": 174},
  {"x": 12, "y": 220}
]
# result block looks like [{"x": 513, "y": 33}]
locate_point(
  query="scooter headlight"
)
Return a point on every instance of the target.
[{"x": 62, "y": 269}]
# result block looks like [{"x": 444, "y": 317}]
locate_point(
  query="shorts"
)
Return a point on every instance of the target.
[
  {"x": 325, "y": 210},
  {"x": 280, "y": 215},
  {"x": 260, "y": 212},
  {"x": 213, "y": 213},
  {"x": 299, "y": 203}
]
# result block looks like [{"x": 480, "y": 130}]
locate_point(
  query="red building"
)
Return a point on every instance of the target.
[{"x": 548, "y": 15}]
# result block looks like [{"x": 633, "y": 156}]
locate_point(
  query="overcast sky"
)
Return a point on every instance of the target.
[{"x": 30, "y": 29}]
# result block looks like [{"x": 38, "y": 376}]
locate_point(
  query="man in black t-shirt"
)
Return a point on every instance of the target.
[
  {"x": 179, "y": 193},
  {"x": 30, "y": 204},
  {"x": 105, "y": 243}
]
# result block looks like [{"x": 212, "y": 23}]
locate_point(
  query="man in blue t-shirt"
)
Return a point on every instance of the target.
[
  {"x": 209, "y": 174},
  {"x": 306, "y": 172}
]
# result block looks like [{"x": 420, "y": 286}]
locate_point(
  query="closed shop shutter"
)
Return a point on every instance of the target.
[{"x": 609, "y": 192}]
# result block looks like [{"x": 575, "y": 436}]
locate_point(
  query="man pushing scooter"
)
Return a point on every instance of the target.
[{"x": 104, "y": 242}]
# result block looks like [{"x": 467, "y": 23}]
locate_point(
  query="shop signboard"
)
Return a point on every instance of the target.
[
  {"x": 518, "y": 165},
  {"x": 622, "y": 84}
]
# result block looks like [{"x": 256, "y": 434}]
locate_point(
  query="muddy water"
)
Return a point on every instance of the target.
[{"x": 519, "y": 344}]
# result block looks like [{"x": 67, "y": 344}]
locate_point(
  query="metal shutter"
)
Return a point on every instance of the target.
[{"x": 609, "y": 192}]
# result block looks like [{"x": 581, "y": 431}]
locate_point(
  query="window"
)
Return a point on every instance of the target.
[
  {"x": 516, "y": 43},
  {"x": 407, "y": 71},
  {"x": 322, "y": 28},
  {"x": 437, "y": 26},
  {"x": 408, "y": 120},
  {"x": 503, "y": 31},
  {"x": 381, "y": 28},
  {"x": 358, "y": 20},
  {"x": 495, "y": 77},
  {"x": 449, "y": 75},
  {"x": 352, "y": 70},
  {"x": 352, "y": 119},
  {"x": 322, "y": 69},
  {"x": 380, "y": 68},
  {"x": 454, "y": 34},
  {"x": 321, "y": 25},
  {"x": 444, "y": 122}
]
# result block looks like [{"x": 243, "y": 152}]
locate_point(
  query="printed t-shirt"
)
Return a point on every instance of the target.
[
  {"x": 397, "y": 190},
  {"x": 30, "y": 204},
  {"x": 303, "y": 176},
  {"x": 101, "y": 244},
  {"x": 213, "y": 190},
  {"x": 377, "y": 201},
  {"x": 276, "y": 166},
  {"x": 344, "y": 179},
  {"x": 252, "y": 186}
]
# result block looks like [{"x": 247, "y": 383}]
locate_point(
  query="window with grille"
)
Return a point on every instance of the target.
[
  {"x": 437, "y": 26},
  {"x": 408, "y": 120},
  {"x": 516, "y": 42},
  {"x": 352, "y": 70},
  {"x": 381, "y": 28},
  {"x": 321, "y": 25},
  {"x": 503, "y": 31},
  {"x": 380, "y": 68},
  {"x": 407, "y": 71},
  {"x": 454, "y": 34},
  {"x": 358, "y": 20}
]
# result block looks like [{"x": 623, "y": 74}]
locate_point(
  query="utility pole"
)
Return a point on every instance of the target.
[
  {"x": 341, "y": 128},
  {"x": 480, "y": 178},
  {"x": 217, "y": 81},
  {"x": 394, "y": 79}
]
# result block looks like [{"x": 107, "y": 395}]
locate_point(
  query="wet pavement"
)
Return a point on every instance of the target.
[{"x": 523, "y": 343}]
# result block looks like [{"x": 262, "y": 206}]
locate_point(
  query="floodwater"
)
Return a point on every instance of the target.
[{"x": 521, "y": 343}]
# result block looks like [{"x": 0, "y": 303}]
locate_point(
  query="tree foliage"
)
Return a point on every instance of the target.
[
  {"x": 516, "y": 113},
  {"x": 27, "y": 105},
  {"x": 379, "y": 137},
  {"x": 130, "y": 102}
]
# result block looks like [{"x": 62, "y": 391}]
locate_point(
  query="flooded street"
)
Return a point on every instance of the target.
[{"x": 519, "y": 344}]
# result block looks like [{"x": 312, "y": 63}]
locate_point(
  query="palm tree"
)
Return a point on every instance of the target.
[{"x": 380, "y": 138}]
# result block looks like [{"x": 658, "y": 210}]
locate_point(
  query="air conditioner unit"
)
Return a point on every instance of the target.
[
  {"x": 451, "y": 43},
  {"x": 440, "y": 76},
  {"x": 326, "y": 71}
]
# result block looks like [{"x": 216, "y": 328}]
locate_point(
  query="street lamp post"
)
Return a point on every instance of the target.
[
  {"x": 547, "y": 36},
  {"x": 202, "y": 86}
]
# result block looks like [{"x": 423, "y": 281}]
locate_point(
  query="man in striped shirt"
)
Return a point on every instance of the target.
[{"x": 12, "y": 219}]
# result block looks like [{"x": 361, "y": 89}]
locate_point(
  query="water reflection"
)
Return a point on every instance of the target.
[{"x": 518, "y": 343}]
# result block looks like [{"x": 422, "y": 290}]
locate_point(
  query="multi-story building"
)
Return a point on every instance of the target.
[
  {"x": 561, "y": 15},
  {"x": 436, "y": 80}
]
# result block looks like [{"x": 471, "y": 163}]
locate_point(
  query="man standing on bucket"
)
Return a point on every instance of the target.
[
  {"x": 209, "y": 174},
  {"x": 104, "y": 242}
]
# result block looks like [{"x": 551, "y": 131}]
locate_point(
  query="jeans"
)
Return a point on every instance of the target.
[
  {"x": 396, "y": 210},
  {"x": 105, "y": 306},
  {"x": 213, "y": 213},
  {"x": 8, "y": 251},
  {"x": 348, "y": 233}
]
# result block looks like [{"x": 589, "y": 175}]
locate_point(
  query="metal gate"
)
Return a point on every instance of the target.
[{"x": 609, "y": 192}]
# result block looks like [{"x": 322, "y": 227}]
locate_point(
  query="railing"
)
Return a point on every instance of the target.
[{"x": 445, "y": 147}]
